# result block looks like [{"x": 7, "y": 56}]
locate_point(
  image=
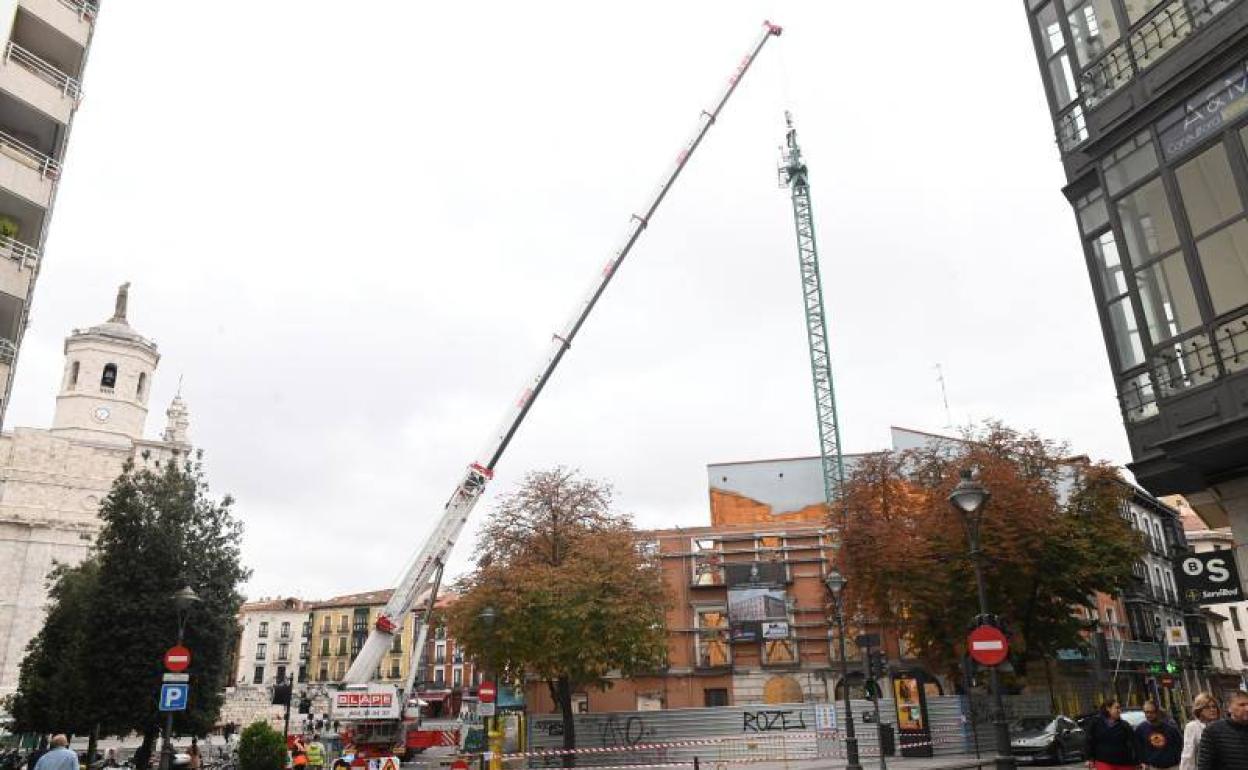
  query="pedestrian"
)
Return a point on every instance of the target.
[
  {"x": 1111, "y": 743},
  {"x": 38, "y": 753},
  {"x": 1160, "y": 742},
  {"x": 197, "y": 761},
  {"x": 58, "y": 757},
  {"x": 1204, "y": 710},
  {"x": 316, "y": 754},
  {"x": 1224, "y": 744},
  {"x": 111, "y": 759}
]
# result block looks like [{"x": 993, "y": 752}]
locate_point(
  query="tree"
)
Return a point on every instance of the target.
[
  {"x": 574, "y": 596},
  {"x": 52, "y": 685},
  {"x": 260, "y": 747},
  {"x": 115, "y": 612},
  {"x": 1052, "y": 534}
]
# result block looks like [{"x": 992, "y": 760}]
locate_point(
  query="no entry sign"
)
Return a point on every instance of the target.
[
  {"x": 987, "y": 646},
  {"x": 487, "y": 692},
  {"x": 177, "y": 658}
]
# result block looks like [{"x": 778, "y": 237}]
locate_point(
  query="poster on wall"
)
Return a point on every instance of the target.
[
  {"x": 749, "y": 609},
  {"x": 914, "y": 733}
]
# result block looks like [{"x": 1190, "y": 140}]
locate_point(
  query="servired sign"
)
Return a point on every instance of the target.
[
  {"x": 177, "y": 658},
  {"x": 487, "y": 692},
  {"x": 987, "y": 646}
]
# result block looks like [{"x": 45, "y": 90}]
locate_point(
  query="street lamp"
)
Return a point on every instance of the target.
[
  {"x": 968, "y": 498},
  {"x": 835, "y": 582},
  {"x": 183, "y": 600},
  {"x": 494, "y": 729}
]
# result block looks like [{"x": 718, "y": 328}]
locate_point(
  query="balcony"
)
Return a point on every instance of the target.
[
  {"x": 39, "y": 83},
  {"x": 17, "y": 262},
  {"x": 72, "y": 18},
  {"x": 25, "y": 171}
]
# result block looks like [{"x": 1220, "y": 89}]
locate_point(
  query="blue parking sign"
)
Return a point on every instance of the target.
[{"x": 173, "y": 697}]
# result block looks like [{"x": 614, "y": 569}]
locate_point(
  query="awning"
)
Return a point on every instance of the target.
[{"x": 433, "y": 697}]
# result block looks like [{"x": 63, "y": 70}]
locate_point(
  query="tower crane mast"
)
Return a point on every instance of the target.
[
  {"x": 793, "y": 175},
  {"x": 437, "y": 547}
]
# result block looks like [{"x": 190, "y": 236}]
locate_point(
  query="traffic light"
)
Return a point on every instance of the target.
[
  {"x": 1172, "y": 668},
  {"x": 281, "y": 694},
  {"x": 877, "y": 663}
]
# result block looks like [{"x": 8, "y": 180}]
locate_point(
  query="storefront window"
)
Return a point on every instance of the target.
[
  {"x": 1208, "y": 188},
  {"x": 1147, "y": 223},
  {"x": 1129, "y": 163},
  {"x": 1093, "y": 27},
  {"x": 1224, "y": 258},
  {"x": 1169, "y": 302}
]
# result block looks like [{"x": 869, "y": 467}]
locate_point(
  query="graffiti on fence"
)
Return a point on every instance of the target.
[{"x": 772, "y": 721}]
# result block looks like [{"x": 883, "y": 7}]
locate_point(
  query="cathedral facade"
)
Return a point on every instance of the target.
[{"x": 52, "y": 481}]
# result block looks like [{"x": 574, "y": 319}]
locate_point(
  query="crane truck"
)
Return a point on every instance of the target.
[{"x": 378, "y": 717}]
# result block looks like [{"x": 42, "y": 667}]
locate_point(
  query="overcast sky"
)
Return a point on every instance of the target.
[{"x": 352, "y": 228}]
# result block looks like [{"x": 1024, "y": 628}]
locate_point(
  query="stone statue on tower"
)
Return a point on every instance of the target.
[{"x": 123, "y": 299}]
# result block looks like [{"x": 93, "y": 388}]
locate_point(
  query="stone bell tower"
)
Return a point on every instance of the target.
[{"x": 107, "y": 380}]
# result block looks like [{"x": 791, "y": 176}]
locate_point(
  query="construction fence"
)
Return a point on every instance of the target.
[{"x": 958, "y": 726}]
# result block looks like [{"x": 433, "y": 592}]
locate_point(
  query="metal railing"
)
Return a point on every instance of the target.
[
  {"x": 68, "y": 86},
  {"x": 1232, "y": 341},
  {"x": 25, "y": 256},
  {"x": 1169, "y": 25},
  {"x": 1105, "y": 75},
  {"x": 86, "y": 9},
  {"x": 23, "y": 153},
  {"x": 8, "y": 351}
]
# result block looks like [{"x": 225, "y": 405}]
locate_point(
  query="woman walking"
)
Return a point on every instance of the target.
[
  {"x": 1111, "y": 741},
  {"x": 1204, "y": 710}
]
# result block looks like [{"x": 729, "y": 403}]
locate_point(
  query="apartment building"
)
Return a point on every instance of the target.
[
  {"x": 339, "y": 627},
  {"x": 274, "y": 643},
  {"x": 45, "y": 51}
]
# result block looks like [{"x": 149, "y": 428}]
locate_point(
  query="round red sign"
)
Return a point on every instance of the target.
[
  {"x": 987, "y": 646},
  {"x": 486, "y": 692},
  {"x": 177, "y": 658}
]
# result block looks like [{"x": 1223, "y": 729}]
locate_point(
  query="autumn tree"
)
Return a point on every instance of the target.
[
  {"x": 574, "y": 598},
  {"x": 1052, "y": 535}
]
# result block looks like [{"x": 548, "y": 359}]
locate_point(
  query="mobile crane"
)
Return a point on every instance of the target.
[{"x": 360, "y": 702}]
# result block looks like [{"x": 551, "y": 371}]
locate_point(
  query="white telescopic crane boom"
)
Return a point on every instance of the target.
[{"x": 437, "y": 547}]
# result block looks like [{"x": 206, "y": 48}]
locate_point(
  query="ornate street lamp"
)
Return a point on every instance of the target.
[
  {"x": 835, "y": 582},
  {"x": 183, "y": 600}
]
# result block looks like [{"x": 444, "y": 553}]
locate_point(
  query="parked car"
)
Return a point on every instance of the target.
[
  {"x": 1133, "y": 719},
  {"x": 1058, "y": 739}
]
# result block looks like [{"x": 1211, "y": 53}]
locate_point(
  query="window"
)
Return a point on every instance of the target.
[
  {"x": 715, "y": 696},
  {"x": 1092, "y": 212},
  {"x": 1169, "y": 302},
  {"x": 394, "y": 668},
  {"x": 457, "y": 677},
  {"x": 1136, "y": 9},
  {"x": 261, "y": 651},
  {"x": 1061, "y": 76},
  {"x": 343, "y": 626},
  {"x": 109, "y": 378},
  {"x": 342, "y": 669},
  {"x": 283, "y": 651},
  {"x": 1235, "y": 619},
  {"x": 707, "y": 563},
  {"x": 1209, "y": 193},
  {"x": 285, "y": 632},
  {"x": 439, "y": 653},
  {"x": 323, "y": 674},
  {"x": 1147, "y": 223},
  {"x": 281, "y": 674},
  {"x": 324, "y": 645},
  {"x": 303, "y": 673},
  {"x": 778, "y": 652},
  {"x": 1130, "y": 162},
  {"x": 1243, "y": 652},
  {"x": 303, "y": 649},
  {"x": 342, "y": 645},
  {"x": 1224, "y": 258},
  {"x": 73, "y": 374},
  {"x": 440, "y": 632},
  {"x": 138, "y": 392},
  {"x": 1092, "y": 27},
  {"x": 264, "y": 630},
  {"x": 257, "y": 676},
  {"x": 439, "y": 677},
  {"x": 712, "y": 638},
  {"x": 1126, "y": 332},
  {"x": 327, "y": 624},
  {"x": 307, "y": 628},
  {"x": 397, "y": 645}
]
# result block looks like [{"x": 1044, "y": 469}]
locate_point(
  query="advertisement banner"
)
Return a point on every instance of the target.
[
  {"x": 376, "y": 701},
  {"x": 749, "y": 608}
]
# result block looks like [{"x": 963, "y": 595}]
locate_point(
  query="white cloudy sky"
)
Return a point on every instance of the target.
[{"x": 352, "y": 227}]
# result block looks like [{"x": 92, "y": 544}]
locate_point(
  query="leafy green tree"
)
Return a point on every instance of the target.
[
  {"x": 112, "y": 618},
  {"x": 260, "y": 747},
  {"x": 1052, "y": 535},
  {"x": 573, "y": 595},
  {"x": 52, "y": 685}
]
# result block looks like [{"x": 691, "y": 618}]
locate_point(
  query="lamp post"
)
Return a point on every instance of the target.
[
  {"x": 183, "y": 599},
  {"x": 836, "y": 585},
  {"x": 494, "y": 730},
  {"x": 968, "y": 498}
]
